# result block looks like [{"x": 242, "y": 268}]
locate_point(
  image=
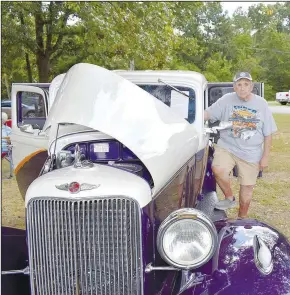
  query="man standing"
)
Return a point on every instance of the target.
[{"x": 246, "y": 145}]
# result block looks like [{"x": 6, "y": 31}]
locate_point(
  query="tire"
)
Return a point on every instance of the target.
[
  {"x": 30, "y": 114},
  {"x": 283, "y": 103}
]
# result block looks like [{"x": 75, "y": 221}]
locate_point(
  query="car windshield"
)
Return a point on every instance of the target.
[{"x": 181, "y": 104}]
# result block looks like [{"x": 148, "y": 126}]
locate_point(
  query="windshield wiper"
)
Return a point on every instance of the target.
[{"x": 174, "y": 88}]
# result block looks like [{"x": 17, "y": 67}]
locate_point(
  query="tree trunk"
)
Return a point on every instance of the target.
[
  {"x": 7, "y": 86},
  {"x": 42, "y": 56},
  {"x": 28, "y": 66},
  {"x": 43, "y": 66}
]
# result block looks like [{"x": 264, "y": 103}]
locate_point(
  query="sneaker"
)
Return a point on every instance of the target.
[{"x": 226, "y": 204}]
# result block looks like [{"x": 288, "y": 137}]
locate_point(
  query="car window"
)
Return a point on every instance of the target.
[
  {"x": 181, "y": 104},
  {"x": 217, "y": 92},
  {"x": 32, "y": 110}
]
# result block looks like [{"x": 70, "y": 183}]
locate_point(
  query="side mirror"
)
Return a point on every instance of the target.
[
  {"x": 222, "y": 126},
  {"x": 27, "y": 128}
]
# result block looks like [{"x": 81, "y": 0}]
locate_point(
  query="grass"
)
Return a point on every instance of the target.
[
  {"x": 271, "y": 201},
  {"x": 273, "y": 103}
]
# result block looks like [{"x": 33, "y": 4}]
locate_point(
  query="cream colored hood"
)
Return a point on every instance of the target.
[{"x": 100, "y": 99}]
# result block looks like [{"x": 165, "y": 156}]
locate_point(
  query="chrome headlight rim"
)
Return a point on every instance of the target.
[{"x": 190, "y": 214}]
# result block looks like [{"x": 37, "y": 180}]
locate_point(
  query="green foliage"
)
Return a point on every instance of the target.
[
  {"x": 43, "y": 39},
  {"x": 219, "y": 67},
  {"x": 270, "y": 93}
]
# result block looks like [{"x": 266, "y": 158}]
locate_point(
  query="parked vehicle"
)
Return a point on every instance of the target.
[
  {"x": 119, "y": 195},
  {"x": 28, "y": 111},
  {"x": 6, "y": 107},
  {"x": 283, "y": 97}
]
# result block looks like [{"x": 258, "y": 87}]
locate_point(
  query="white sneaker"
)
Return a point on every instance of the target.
[{"x": 226, "y": 204}]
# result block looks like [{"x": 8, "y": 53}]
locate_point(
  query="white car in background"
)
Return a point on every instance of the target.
[{"x": 283, "y": 97}]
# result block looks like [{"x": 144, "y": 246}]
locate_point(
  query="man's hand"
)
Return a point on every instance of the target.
[
  {"x": 263, "y": 163},
  {"x": 265, "y": 158},
  {"x": 206, "y": 116}
]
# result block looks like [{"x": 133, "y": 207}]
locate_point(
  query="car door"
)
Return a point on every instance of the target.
[
  {"x": 29, "y": 144},
  {"x": 217, "y": 89}
]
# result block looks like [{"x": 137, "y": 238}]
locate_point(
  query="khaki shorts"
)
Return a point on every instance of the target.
[{"x": 247, "y": 172}]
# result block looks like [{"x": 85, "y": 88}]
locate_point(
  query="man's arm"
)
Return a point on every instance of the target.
[
  {"x": 206, "y": 116},
  {"x": 267, "y": 147}
]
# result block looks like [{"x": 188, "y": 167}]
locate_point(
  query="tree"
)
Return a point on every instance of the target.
[
  {"x": 41, "y": 29},
  {"x": 43, "y": 39}
]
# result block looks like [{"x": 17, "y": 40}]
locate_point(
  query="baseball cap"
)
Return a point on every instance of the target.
[{"x": 242, "y": 75}]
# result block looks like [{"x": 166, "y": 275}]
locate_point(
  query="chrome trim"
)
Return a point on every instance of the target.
[
  {"x": 258, "y": 245},
  {"x": 187, "y": 213},
  {"x": 24, "y": 271},
  {"x": 223, "y": 233},
  {"x": 149, "y": 268},
  {"x": 74, "y": 258},
  {"x": 83, "y": 187}
]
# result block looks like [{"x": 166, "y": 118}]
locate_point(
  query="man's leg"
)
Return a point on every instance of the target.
[
  {"x": 246, "y": 194},
  {"x": 222, "y": 166},
  {"x": 222, "y": 177},
  {"x": 248, "y": 173}
]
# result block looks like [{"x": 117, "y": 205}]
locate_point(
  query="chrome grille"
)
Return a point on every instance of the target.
[{"x": 84, "y": 246}]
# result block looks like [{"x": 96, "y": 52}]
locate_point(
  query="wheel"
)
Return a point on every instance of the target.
[
  {"x": 283, "y": 103},
  {"x": 30, "y": 115}
]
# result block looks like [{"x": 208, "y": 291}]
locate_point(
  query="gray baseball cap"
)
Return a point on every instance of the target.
[{"x": 242, "y": 75}]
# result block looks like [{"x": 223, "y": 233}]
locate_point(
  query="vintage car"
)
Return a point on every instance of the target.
[{"x": 120, "y": 195}]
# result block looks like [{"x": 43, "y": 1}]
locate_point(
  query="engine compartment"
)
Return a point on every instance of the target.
[{"x": 110, "y": 152}]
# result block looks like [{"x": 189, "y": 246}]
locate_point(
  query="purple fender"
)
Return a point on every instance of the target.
[
  {"x": 236, "y": 256},
  {"x": 14, "y": 256},
  {"x": 233, "y": 268}
]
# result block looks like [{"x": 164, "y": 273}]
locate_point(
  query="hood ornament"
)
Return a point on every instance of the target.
[
  {"x": 79, "y": 162},
  {"x": 75, "y": 187}
]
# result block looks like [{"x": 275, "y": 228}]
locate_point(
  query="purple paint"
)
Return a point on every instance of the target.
[
  {"x": 116, "y": 152},
  {"x": 14, "y": 256},
  {"x": 128, "y": 154}
]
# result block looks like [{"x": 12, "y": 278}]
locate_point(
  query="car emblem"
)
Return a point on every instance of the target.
[{"x": 75, "y": 187}]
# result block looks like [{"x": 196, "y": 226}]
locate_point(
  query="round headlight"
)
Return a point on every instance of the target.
[{"x": 187, "y": 238}]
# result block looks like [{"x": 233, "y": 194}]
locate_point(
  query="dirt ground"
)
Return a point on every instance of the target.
[{"x": 271, "y": 202}]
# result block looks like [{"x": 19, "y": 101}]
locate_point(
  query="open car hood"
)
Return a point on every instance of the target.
[{"x": 100, "y": 99}]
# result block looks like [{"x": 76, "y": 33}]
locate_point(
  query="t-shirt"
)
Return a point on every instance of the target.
[
  {"x": 6, "y": 131},
  {"x": 252, "y": 120}
]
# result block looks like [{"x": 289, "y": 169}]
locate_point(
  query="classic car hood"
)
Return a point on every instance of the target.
[
  {"x": 53, "y": 88},
  {"x": 100, "y": 99}
]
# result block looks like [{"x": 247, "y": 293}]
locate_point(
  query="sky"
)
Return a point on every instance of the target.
[{"x": 232, "y": 6}]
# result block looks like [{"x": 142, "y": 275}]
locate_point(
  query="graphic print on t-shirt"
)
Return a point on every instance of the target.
[{"x": 245, "y": 121}]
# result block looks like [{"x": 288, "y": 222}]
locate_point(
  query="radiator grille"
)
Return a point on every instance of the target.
[{"x": 84, "y": 247}]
